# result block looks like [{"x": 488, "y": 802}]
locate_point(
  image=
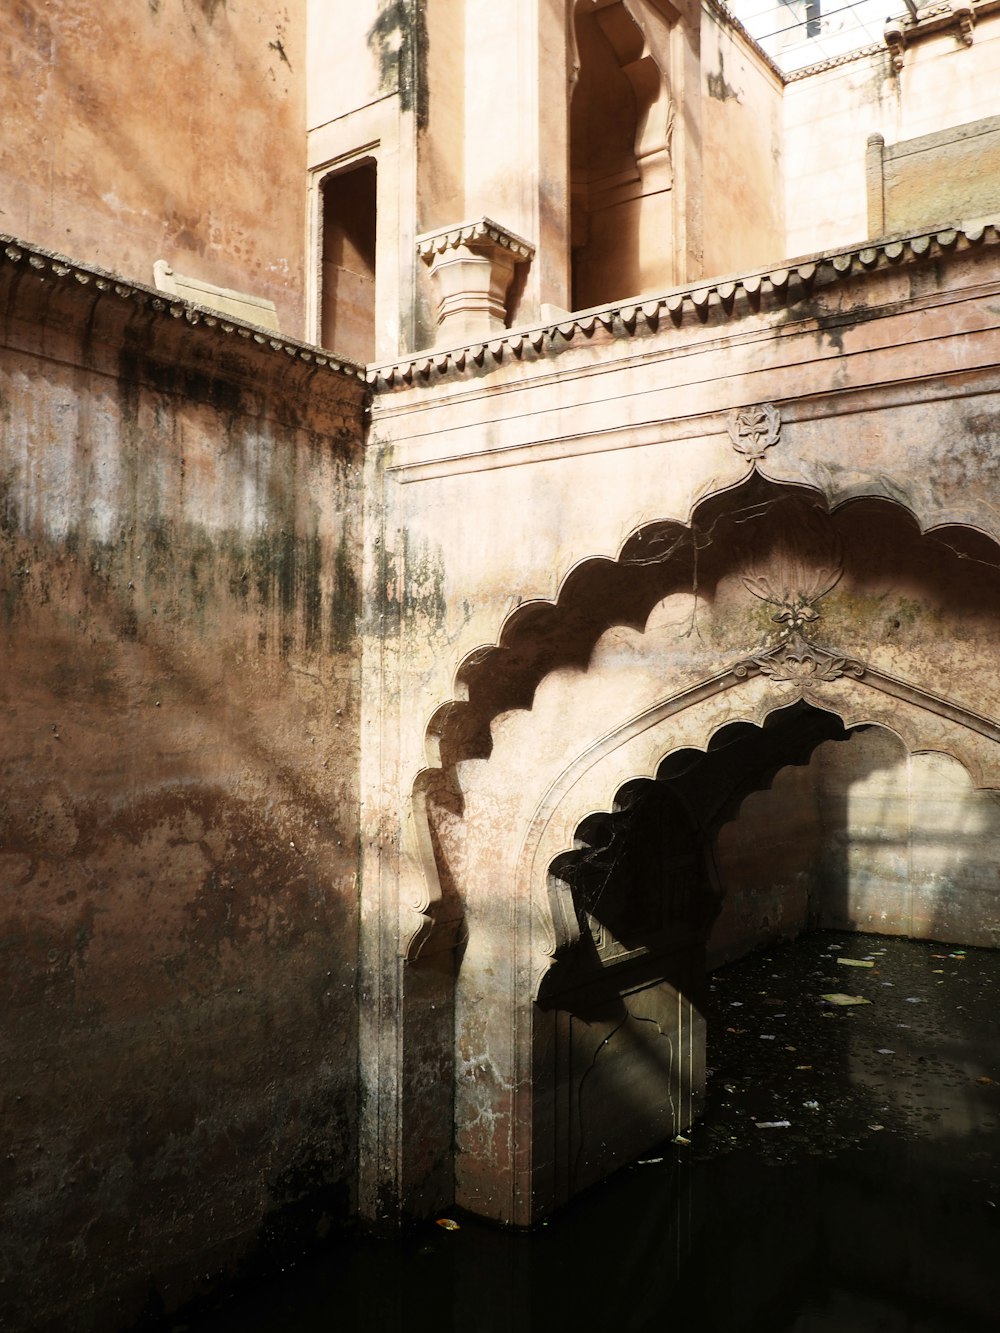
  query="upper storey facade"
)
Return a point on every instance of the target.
[
  {"x": 473, "y": 166},
  {"x": 387, "y": 176}
]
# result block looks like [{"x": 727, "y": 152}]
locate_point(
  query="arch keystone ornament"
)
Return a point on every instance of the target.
[{"x": 754, "y": 430}]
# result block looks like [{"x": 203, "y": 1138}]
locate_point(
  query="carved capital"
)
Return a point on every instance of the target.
[
  {"x": 754, "y": 430},
  {"x": 471, "y": 266}
]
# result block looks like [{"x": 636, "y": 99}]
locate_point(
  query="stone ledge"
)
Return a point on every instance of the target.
[
  {"x": 48, "y": 264},
  {"x": 784, "y": 285},
  {"x": 468, "y": 233}
]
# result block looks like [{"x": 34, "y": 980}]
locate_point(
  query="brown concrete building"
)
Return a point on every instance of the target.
[{"x": 498, "y": 513}]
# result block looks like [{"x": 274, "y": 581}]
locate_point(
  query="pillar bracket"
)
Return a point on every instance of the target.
[{"x": 471, "y": 267}]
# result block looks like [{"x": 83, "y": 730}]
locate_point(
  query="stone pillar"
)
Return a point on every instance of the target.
[{"x": 471, "y": 270}]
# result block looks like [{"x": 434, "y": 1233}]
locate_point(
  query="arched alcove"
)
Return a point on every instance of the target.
[
  {"x": 619, "y": 1027},
  {"x": 709, "y": 656},
  {"x": 621, "y": 123}
]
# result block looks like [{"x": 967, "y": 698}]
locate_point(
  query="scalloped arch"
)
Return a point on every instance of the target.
[
  {"x": 654, "y": 558},
  {"x": 457, "y": 728},
  {"x": 636, "y": 750}
]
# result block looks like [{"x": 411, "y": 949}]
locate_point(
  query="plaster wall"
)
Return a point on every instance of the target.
[
  {"x": 743, "y": 182},
  {"x": 349, "y": 56},
  {"x": 829, "y": 115},
  {"x": 167, "y": 130},
  {"x": 178, "y": 824}
]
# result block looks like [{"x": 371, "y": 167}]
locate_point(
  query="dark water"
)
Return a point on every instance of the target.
[{"x": 876, "y": 1210}]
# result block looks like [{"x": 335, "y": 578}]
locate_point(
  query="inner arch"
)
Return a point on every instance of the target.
[{"x": 773, "y": 829}]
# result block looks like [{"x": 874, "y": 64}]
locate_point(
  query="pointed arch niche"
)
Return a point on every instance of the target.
[
  {"x": 698, "y": 665},
  {"x": 621, "y": 167}
]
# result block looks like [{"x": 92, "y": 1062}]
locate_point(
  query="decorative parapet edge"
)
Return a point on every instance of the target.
[
  {"x": 49, "y": 264},
  {"x": 480, "y": 230},
  {"x": 950, "y": 15},
  {"x": 723, "y": 12},
  {"x": 726, "y": 299},
  {"x": 834, "y": 62}
]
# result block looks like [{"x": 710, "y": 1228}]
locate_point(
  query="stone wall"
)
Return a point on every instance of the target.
[
  {"x": 163, "y": 129},
  {"x": 178, "y": 826}
]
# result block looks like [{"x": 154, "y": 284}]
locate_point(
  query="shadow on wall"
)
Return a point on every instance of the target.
[
  {"x": 177, "y": 844},
  {"x": 864, "y": 837}
]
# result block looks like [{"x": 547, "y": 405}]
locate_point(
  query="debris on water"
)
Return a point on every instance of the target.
[
  {"x": 876, "y": 1128},
  {"x": 913, "y": 999},
  {"x": 767, "y": 1036},
  {"x": 811, "y": 1106},
  {"x": 448, "y": 1224},
  {"x": 986, "y": 1081},
  {"x": 855, "y": 962},
  {"x": 886, "y": 1050},
  {"x": 684, "y": 1142},
  {"x": 835, "y": 946},
  {"x": 773, "y": 1124},
  {"x": 843, "y": 1001},
  {"x": 649, "y": 1161},
  {"x": 801, "y": 1067}
]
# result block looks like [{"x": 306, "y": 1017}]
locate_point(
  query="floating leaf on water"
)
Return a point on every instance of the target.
[
  {"x": 679, "y": 1138},
  {"x": 447, "y": 1224},
  {"x": 843, "y": 1001},
  {"x": 773, "y": 1124},
  {"x": 855, "y": 962},
  {"x": 986, "y": 1081}
]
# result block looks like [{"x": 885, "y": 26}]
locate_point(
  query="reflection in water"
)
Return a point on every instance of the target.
[{"x": 877, "y": 1210}]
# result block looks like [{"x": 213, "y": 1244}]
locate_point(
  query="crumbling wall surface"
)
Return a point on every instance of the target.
[
  {"x": 178, "y": 830},
  {"x": 138, "y": 130}
]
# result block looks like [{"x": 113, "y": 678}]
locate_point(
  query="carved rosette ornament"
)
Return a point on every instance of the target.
[
  {"x": 803, "y": 564},
  {"x": 753, "y": 430}
]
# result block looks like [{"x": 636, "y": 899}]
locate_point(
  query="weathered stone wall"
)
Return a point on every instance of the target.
[
  {"x": 178, "y": 828},
  {"x": 140, "y": 130},
  {"x": 561, "y": 524},
  {"x": 743, "y": 209}
]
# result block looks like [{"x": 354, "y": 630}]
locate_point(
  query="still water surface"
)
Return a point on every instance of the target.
[{"x": 876, "y": 1209}]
